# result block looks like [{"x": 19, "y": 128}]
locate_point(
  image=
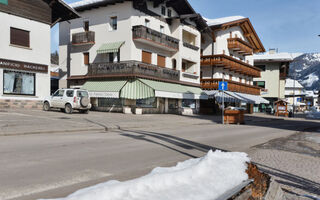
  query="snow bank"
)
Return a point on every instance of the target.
[
  {"x": 313, "y": 114},
  {"x": 223, "y": 20},
  {"x": 202, "y": 179}
]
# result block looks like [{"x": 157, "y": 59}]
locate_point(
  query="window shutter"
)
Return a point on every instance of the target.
[
  {"x": 19, "y": 37},
  {"x": 86, "y": 58},
  {"x": 146, "y": 57},
  {"x": 161, "y": 61}
]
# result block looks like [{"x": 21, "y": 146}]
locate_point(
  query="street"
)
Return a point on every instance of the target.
[{"x": 55, "y": 164}]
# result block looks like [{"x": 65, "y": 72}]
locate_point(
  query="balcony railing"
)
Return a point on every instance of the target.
[
  {"x": 153, "y": 37},
  {"x": 83, "y": 38},
  {"x": 241, "y": 46},
  {"x": 190, "y": 46},
  {"x": 231, "y": 64},
  {"x": 132, "y": 69},
  {"x": 233, "y": 86}
]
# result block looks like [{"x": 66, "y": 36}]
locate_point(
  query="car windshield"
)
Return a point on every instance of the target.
[{"x": 82, "y": 94}]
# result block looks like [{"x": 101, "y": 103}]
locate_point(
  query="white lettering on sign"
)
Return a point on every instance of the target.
[{"x": 113, "y": 95}]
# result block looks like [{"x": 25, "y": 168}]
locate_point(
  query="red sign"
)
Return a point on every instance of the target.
[{"x": 11, "y": 64}]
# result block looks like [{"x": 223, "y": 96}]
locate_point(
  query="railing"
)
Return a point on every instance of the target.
[
  {"x": 233, "y": 86},
  {"x": 142, "y": 32},
  {"x": 231, "y": 64},
  {"x": 132, "y": 68},
  {"x": 83, "y": 38},
  {"x": 190, "y": 46},
  {"x": 241, "y": 46}
]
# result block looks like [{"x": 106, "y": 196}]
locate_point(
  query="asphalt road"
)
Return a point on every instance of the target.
[{"x": 55, "y": 165}]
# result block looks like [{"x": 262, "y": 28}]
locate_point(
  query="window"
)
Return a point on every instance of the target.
[
  {"x": 18, "y": 83},
  {"x": 189, "y": 103},
  {"x": 58, "y": 93},
  {"x": 104, "y": 102},
  {"x": 169, "y": 13},
  {"x": 261, "y": 84},
  {"x": 69, "y": 93},
  {"x": 163, "y": 10},
  {"x": 86, "y": 58},
  {"x": 19, "y": 37},
  {"x": 174, "y": 64},
  {"x": 161, "y": 61},
  {"x": 114, "y": 23},
  {"x": 147, "y": 23},
  {"x": 86, "y": 26},
  {"x": 184, "y": 66},
  {"x": 161, "y": 29},
  {"x": 147, "y": 103},
  {"x": 111, "y": 57},
  {"x": 146, "y": 57},
  {"x": 262, "y": 67},
  {"x": 82, "y": 94}
]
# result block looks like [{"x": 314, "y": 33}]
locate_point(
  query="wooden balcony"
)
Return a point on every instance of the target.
[
  {"x": 241, "y": 46},
  {"x": 233, "y": 86},
  {"x": 83, "y": 38},
  {"x": 154, "y": 38},
  {"x": 232, "y": 64},
  {"x": 132, "y": 69}
]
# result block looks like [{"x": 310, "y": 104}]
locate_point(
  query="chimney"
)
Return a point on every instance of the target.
[{"x": 273, "y": 50}]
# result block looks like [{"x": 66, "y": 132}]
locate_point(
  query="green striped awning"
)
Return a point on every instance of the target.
[
  {"x": 110, "y": 47},
  {"x": 135, "y": 89},
  {"x": 104, "y": 86},
  {"x": 4, "y": 2}
]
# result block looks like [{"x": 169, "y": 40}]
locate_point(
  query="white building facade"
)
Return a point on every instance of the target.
[
  {"x": 154, "y": 46},
  {"x": 295, "y": 94},
  {"x": 225, "y": 57},
  {"x": 25, "y": 51}
]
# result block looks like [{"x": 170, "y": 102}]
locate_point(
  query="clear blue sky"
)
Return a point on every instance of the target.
[{"x": 290, "y": 25}]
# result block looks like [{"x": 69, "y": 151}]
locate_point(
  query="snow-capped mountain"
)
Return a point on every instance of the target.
[{"x": 307, "y": 69}]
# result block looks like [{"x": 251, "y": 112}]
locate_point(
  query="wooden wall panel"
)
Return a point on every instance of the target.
[
  {"x": 31, "y": 9},
  {"x": 161, "y": 61}
]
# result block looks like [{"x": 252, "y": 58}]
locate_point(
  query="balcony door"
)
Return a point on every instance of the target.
[
  {"x": 161, "y": 61},
  {"x": 146, "y": 57}
]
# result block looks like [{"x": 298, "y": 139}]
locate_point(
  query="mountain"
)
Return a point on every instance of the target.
[{"x": 306, "y": 67}]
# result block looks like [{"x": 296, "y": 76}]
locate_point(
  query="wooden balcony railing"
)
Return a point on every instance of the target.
[
  {"x": 231, "y": 64},
  {"x": 239, "y": 45},
  {"x": 132, "y": 69},
  {"x": 83, "y": 38},
  {"x": 155, "y": 37},
  {"x": 233, "y": 86}
]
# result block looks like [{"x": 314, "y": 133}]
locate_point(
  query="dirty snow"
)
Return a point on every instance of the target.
[
  {"x": 313, "y": 114},
  {"x": 223, "y": 20},
  {"x": 203, "y": 179},
  {"x": 311, "y": 79},
  {"x": 84, "y": 3}
]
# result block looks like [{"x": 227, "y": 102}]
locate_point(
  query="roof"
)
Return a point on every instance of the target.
[
  {"x": 61, "y": 11},
  {"x": 246, "y": 26},
  {"x": 280, "y": 57},
  {"x": 290, "y": 83}
]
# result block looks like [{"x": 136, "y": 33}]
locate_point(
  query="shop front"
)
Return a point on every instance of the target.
[
  {"x": 143, "y": 95},
  {"x": 23, "y": 85}
]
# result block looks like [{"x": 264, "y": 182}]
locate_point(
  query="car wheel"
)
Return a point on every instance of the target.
[
  {"x": 46, "y": 106},
  {"x": 68, "y": 109}
]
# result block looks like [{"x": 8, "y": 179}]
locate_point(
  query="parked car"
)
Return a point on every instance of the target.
[{"x": 68, "y": 100}]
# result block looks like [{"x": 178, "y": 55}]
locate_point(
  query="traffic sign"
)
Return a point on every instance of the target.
[{"x": 223, "y": 85}]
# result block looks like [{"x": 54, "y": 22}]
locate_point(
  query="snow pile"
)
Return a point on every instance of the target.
[
  {"x": 313, "y": 114},
  {"x": 223, "y": 20},
  {"x": 276, "y": 56},
  {"x": 203, "y": 179},
  {"x": 84, "y": 3},
  {"x": 310, "y": 80}
]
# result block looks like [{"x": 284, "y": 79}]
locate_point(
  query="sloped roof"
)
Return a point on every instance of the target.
[
  {"x": 246, "y": 26},
  {"x": 281, "y": 57},
  {"x": 61, "y": 11},
  {"x": 290, "y": 83}
]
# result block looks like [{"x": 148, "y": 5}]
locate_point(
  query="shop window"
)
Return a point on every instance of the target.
[
  {"x": 18, "y": 83},
  {"x": 173, "y": 103},
  {"x": 19, "y": 37},
  {"x": 114, "y": 23},
  {"x": 189, "y": 103},
  {"x": 104, "y": 103},
  {"x": 261, "y": 84},
  {"x": 147, "y": 103}
]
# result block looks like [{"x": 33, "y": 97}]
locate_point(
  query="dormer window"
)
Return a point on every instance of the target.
[
  {"x": 169, "y": 13},
  {"x": 163, "y": 10}
]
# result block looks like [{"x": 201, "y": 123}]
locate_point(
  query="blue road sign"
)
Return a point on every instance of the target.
[{"x": 223, "y": 85}]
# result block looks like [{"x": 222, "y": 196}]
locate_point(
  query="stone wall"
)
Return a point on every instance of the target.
[{"x": 20, "y": 104}]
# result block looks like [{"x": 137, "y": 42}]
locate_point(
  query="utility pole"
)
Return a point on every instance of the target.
[
  {"x": 294, "y": 92},
  {"x": 223, "y": 100}
]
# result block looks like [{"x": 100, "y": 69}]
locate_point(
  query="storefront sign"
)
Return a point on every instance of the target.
[
  {"x": 282, "y": 108},
  {"x": 10, "y": 64},
  {"x": 104, "y": 94}
]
